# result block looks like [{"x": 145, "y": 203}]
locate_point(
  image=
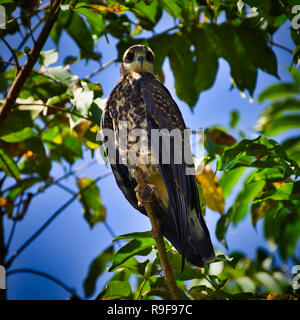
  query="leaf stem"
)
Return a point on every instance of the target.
[
  {"x": 280, "y": 46},
  {"x": 105, "y": 65}
]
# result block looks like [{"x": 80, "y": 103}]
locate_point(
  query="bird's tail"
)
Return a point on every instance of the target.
[{"x": 198, "y": 248}]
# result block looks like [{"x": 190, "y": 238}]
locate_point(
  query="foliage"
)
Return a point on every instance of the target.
[{"x": 55, "y": 119}]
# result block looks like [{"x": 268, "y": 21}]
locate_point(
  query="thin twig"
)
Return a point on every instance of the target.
[
  {"x": 105, "y": 65},
  {"x": 13, "y": 54},
  {"x": 280, "y": 46},
  {"x": 45, "y": 275},
  {"x": 67, "y": 189},
  {"x": 47, "y": 223},
  {"x": 53, "y": 107}
]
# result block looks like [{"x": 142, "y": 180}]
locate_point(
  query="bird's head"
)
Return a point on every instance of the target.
[{"x": 138, "y": 59}]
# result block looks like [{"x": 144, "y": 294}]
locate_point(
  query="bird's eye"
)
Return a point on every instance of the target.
[
  {"x": 130, "y": 56},
  {"x": 149, "y": 56}
]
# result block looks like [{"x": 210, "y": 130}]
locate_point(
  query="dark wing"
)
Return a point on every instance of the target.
[
  {"x": 120, "y": 171},
  {"x": 191, "y": 235}
]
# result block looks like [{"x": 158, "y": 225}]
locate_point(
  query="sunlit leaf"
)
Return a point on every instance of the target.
[
  {"x": 8, "y": 165},
  {"x": 141, "y": 246},
  {"x": 277, "y": 90},
  {"x": 213, "y": 193},
  {"x": 115, "y": 290},
  {"x": 97, "y": 267},
  {"x": 94, "y": 211}
]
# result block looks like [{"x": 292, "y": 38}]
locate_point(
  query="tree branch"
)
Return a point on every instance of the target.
[
  {"x": 30, "y": 62},
  {"x": 47, "y": 223},
  {"x": 280, "y": 46},
  {"x": 105, "y": 65},
  {"x": 13, "y": 54},
  {"x": 45, "y": 275},
  {"x": 3, "y": 251},
  {"x": 158, "y": 237}
]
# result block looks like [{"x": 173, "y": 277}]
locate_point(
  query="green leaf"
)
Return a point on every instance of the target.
[
  {"x": 148, "y": 14},
  {"x": 261, "y": 209},
  {"x": 246, "y": 284},
  {"x": 286, "y": 191},
  {"x": 61, "y": 74},
  {"x": 222, "y": 226},
  {"x": 160, "y": 51},
  {"x": 20, "y": 187},
  {"x": 278, "y": 90},
  {"x": 290, "y": 238},
  {"x": 134, "y": 235},
  {"x": 72, "y": 145},
  {"x": 115, "y": 290},
  {"x": 97, "y": 267},
  {"x": 94, "y": 18},
  {"x": 207, "y": 60},
  {"x": 241, "y": 205},
  {"x": 260, "y": 55},
  {"x": 134, "y": 266},
  {"x": 141, "y": 246},
  {"x": 275, "y": 112},
  {"x": 48, "y": 57},
  {"x": 8, "y": 165},
  {"x": 284, "y": 123},
  {"x": 270, "y": 284},
  {"x": 292, "y": 148},
  {"x": 228, "y": 45},
  {"x": 94, "y": 211},
  {"x": 83, "y": 98},
  {"x": 229, "y": 180},
  {"x": 171, "y": 7},
  {"x": 18, "y": 136},
  {"x": 184, "y": 69},
  {"x": 79, "y": 32},
  {"x": 16, "y": 121},
  {"x": 234, "y": 118},
  {"x": 40, "y": 163}
]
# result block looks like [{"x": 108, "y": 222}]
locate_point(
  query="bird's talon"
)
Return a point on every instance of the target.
[{"x": 144, "y": 193}]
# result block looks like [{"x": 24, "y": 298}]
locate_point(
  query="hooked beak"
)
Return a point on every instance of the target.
[{"x": 141, "y": 60}]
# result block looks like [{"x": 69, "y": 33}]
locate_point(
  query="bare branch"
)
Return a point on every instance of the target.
[
  {"x": 13, "y": 54},
  {"x": 105, "y": 65},
  {"x": 53, "y": 107},
  {"x": 45, "y": 275},
  {"x": 279, "y": 46},
  {"x": 48, "y": 222},
  {"x": 30, "y": 62}
]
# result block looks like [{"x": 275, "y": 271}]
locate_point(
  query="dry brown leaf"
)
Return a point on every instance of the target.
[
  {"x": 213, "y": 193},
  {"x": 220, "y": 137}
]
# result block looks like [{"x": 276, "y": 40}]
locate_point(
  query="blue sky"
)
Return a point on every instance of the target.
[{"x": 67, "y": 247}]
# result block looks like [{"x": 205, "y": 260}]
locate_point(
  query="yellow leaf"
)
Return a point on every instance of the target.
[
  {"x": 213, "y": 193},
  {"x": 220, "y": 137},
  {"x": 276, "y": 296},
  {"x": 116, "y": 8},
  {"x": 7, "y": 205}
]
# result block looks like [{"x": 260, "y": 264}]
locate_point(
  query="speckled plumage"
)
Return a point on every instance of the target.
[{"x": 141, "y": 102}]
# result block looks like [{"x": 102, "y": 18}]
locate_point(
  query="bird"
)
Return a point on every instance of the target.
[{"x": 141, "y": 103}]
